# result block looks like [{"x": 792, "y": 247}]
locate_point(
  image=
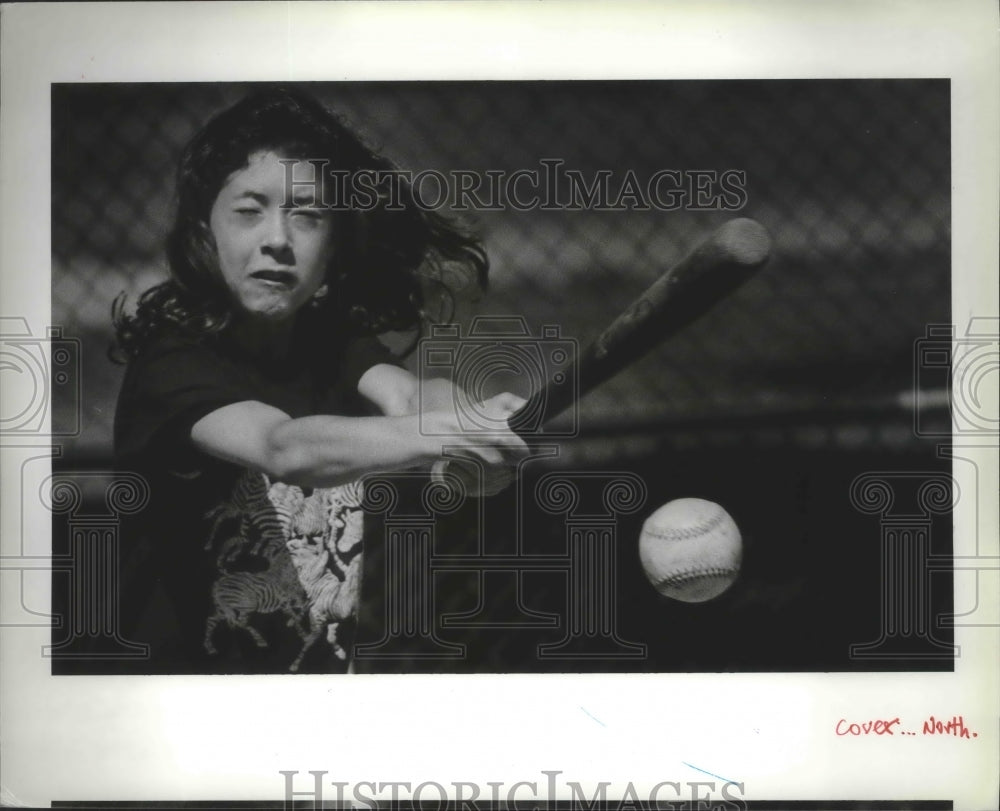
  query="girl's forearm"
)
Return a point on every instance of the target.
[{"x": 323, "y": 451}]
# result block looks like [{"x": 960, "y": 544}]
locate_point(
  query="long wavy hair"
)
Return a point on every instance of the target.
[{"x": 391, "y": 258}]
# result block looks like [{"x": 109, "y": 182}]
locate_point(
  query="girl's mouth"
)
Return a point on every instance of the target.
[{"x": 284, "y": 278}]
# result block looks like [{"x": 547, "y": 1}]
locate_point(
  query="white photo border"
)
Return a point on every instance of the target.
[{"x": 176, "y": 738}]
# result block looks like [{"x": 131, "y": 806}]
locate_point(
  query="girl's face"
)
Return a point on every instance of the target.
[{"x": 273, "y": 258}]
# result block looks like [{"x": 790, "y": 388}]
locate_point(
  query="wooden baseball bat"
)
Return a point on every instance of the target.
[{"x": 713, "y": 270}]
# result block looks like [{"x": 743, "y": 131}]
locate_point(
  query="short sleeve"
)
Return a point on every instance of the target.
[
  {"x": 360, "y": 356},
  {"x": 166, "y": 390}
]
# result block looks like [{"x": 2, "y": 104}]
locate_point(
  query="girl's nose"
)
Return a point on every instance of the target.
[{"x": 276, "y": 236}]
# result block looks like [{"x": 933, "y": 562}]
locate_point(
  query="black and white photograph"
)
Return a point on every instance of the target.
[
  {"x": 712, "y": 497},
  {"x": 576, "y": 407}
]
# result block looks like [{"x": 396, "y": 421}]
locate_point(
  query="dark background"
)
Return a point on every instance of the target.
[{"x": 771, "y": 405}]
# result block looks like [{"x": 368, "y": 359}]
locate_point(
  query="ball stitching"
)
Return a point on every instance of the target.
[
  {"x": 687, "y": 532},
  {"x": 692, "y": 574}
]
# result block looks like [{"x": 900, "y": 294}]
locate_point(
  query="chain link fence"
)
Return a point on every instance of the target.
[
  {"x": 851, "y": 178},
  {"x": 811, "y": 362}
]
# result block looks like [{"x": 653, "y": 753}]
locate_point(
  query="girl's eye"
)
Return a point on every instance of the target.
[
  {"x": 306, "y": 216},
  {"x": 248, "y": 212}
]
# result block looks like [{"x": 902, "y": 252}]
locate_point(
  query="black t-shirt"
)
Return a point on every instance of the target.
[{"x": 258, "y": 576}]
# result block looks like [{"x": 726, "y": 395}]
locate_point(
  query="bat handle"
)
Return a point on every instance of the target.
[
  {"x": 473, "y": 478},
  {"x": 559, "y": 393}
]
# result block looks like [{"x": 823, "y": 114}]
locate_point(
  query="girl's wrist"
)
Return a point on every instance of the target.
[{"x": 418, "y": 433}]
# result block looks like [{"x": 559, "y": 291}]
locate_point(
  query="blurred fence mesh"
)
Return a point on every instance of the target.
[{"x": 851, "y": 178}]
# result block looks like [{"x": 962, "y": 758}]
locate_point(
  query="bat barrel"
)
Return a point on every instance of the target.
[{"x": 720, "y": 264}]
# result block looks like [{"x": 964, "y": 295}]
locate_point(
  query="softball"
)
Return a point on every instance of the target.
[{"x": 691, "y": 550}]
